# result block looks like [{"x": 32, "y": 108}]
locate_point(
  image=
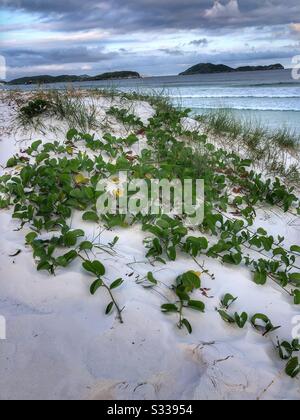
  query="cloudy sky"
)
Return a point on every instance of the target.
[{"x": 153, "y": 37}]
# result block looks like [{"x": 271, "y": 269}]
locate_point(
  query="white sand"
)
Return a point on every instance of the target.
[{"x": 60, "y": 345}]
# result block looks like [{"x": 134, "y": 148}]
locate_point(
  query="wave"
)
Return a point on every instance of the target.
[
  {"x": 220, "y": 96},
  {"x": 271, "y": 84},
  {"x": 246, "y": 108}
]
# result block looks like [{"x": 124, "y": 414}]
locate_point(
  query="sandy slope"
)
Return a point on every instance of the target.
[{"x": 60, "y": 345}]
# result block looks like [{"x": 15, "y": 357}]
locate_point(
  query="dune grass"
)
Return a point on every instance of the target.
[
  {"x": 275, "y": 151},
  {"x": 65, "y": 106}
]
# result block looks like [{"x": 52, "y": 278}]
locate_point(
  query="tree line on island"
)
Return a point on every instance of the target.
[
  {"x": 202, "y": 68},
  {"x": 207, "y": 68},
  {"x": 72, "y": 78}
]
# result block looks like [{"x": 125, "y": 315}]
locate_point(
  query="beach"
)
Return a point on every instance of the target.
[{"x": 60, "y": 345}]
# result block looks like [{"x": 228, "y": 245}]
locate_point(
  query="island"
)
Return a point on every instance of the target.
[
  {"x": 45, "y": 79},
  {"x": 209, "y": 68}
]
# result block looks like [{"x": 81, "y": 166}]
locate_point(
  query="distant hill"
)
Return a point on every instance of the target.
[
  {"x": 71, "y": 78},
  {"x": 208, "y": 68},
  {"x": 44, "y": 79},
  {"x": 205, "y": 68},
  {"x": 116, "y": 75},
  {"x": 261, "y": 68}
]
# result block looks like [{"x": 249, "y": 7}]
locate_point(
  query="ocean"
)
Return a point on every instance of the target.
[{"x": 270, "y": 98}]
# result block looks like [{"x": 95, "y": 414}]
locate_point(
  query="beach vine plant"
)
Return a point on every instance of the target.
[{"x": 47, "y": 182}]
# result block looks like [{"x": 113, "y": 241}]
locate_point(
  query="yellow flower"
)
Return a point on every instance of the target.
[
  {"x": 198, "y": 274},
  {"x": 118, "y": 193},
  {"x": 70, "y": 150},
  {"x": 81, "y": 179},
  {"x": 19, "y": 167}
]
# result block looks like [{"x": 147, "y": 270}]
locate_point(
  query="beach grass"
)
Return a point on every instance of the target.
[{"x": 270, "y": 150}]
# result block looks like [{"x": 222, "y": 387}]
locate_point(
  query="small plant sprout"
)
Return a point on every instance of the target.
[
  {"x": 239, "y": 320},
  {"x": 185, "y": 285},
  {"x": 97, "y": 269},
  {"x": 263, "y": 324}
]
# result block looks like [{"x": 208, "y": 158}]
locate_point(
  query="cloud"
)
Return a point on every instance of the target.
[
  {"x": 53, "y": 39},
  {"x": 203, "y": 42},
  {"x": 295, "y": 27},
  {"x": 57, "y": 56},
  {"x": 118, "y": 34},
  {"x": 172, "y": 51},
  {"x": 119, "y": 16},
  {"x": 220, "y": 11}
]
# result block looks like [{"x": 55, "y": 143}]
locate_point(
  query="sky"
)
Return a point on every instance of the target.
[{"x": 153, "y": 37}]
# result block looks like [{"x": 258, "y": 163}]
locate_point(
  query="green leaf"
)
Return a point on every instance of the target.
[
  {"x": 187, "y": 325},
  {"x": 151, "y": 278},
  {"x": 234, "y": 259},
  {"x": 293, "y": 367},
  {"x": 241, "y": 319},
  {"x": 295, "y": 248},
  {"x": 262, "y": 232},
  {"x": 35, "y": 145},
  {"x": 296, "y": 294},
  {"x": 172, "y": 253},
  {"x": 163, "y": 224},
  {"x": 41, "y": 157},
  {"x": 72, "y": 236},
  {"x": 295, "y": 278},
  {"x": 190, "y": 281},
  {"x": 279, "y": 251},
  {"x": 66, "y": 259},
  {"x": 228, "y": 300},
  {"x": 44, "y": 265},
  {"x": 94, "y": 267},
  {"x": 77, "y": 193},
  {"x": 116, "y": 284},
  {"x": 181, "y": 292},
  {"x": 86, "y": 246},
  {"x": 114, "y": 242},
  {"x": 109, "y": 308},
  {"x": 226, "y": 317},
  {"x": 168, "y": 307},
  {"x": 31, "y": 237},
  {"x": 12, "y": 162},
  {"x": 90, "y": 216},
  {"x": 95, "y": 286},
  {"x": 197, "y": 305},
  {"x": 287, "y": 349},
  {"x": 71, "y": 134},
  {"x": 260, "y": 277},
  {"x": 267, "y": 327}
]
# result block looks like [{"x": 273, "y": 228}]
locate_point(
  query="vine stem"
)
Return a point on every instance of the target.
[
  {"x": 180, "y": 314},
  {"x": 120, "y": 318},
  {"x": 204, "y": 271},
  {"x": 115, "y": 303}
]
